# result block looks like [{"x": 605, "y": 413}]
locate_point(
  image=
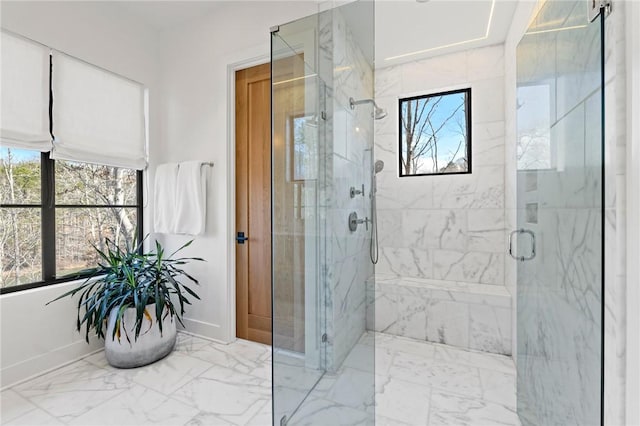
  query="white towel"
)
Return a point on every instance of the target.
[
  {"x": 165, "y": 198},
  {"x": 191, "y": 200}
]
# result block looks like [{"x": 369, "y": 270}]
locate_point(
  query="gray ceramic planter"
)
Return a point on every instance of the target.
[{"x": 150, "y": 345}]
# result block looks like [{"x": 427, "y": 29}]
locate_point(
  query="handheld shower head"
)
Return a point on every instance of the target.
[
  {"x": 377, "y": 114},
  {"x": 378, "y": 166}
]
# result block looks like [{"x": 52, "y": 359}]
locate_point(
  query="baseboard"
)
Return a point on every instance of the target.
[
  {"x": 46, "y": 362},
  {"x": 204, "y": 329}
]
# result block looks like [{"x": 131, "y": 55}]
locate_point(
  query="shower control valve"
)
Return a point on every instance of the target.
[
  {"x": 354, "y": 222},
  {"x": 353, "y": 191}
]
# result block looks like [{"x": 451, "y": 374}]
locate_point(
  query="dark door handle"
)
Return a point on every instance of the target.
[{"x": 240, "y": 238}]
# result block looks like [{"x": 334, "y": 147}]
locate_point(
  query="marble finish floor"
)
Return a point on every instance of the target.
[{"x": 206, "y": 383}]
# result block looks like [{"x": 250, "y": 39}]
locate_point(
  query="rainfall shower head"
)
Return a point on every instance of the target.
[
  {"x": 377, "y": 114},
  {"x": 378, "y": 166}
]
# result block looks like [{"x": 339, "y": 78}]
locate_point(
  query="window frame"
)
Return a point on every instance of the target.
[
  {"x": 468, "y": 106},
  {"x": 48, "y": 208}
]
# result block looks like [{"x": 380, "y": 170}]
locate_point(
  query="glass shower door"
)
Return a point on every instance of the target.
[
  {"x": 298, "y": 349},
  {"x": 558, "y": 243},
  {"x": 323, "y": 356}
]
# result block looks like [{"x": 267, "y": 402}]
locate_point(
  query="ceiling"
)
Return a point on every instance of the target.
[
  {"x": 437, "y": 27},
  {"x": 164, "y": 15},
  {"x": 426, "y": 28}
]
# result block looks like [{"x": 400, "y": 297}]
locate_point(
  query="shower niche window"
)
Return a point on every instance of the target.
[{"x": 435, "y": 134}]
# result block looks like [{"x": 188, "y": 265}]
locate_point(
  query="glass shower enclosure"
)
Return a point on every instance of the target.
[
  {"x": 559, "y": 215},
  {"x": 321, "y": 149}
]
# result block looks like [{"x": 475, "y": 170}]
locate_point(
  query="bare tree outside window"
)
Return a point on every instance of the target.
[
  {"x": 435, "y": 134},
  {"x": 92, "y": 202}
]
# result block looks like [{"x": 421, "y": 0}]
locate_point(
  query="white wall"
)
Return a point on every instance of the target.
[
  {"x": 36, "y": 337},
  {"x": 194, "y": 115}
]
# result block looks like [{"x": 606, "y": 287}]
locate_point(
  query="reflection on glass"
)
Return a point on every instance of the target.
[
  {"x": 20, "y": 245},
  {"x": 83, "y": 183},
  {"x": 534, "y": 149},
  {"x": 301, "y": 141},
  {"x": 78, "y": 229},
  {"x": 19, "y": 176}
]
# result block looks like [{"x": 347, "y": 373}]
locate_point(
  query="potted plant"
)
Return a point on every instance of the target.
[{"x": 129, "y": 292}]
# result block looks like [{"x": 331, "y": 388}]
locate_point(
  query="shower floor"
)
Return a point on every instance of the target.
[{"x": 206, "y": 383}]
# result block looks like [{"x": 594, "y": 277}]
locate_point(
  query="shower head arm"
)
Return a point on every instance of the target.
[
  {"x": 378, "y": 112},
  {"x": 353, "y": 103}
]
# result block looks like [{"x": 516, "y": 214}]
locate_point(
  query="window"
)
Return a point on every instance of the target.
[
  {"x": 53, "y": 212},
  {"x": 435, "y": 134},
  {"x": 73, "y": 146}
]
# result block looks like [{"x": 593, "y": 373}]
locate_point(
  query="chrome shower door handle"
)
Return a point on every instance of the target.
[{"x": 533, "y": 244}]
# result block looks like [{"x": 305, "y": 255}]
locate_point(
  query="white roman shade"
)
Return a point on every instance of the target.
[
  {"x": 98, "y": 116},
  {"x": 24, "y": 93}
]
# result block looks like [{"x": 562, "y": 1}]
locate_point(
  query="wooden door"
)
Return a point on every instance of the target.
[{"x": 253, "y": 203}]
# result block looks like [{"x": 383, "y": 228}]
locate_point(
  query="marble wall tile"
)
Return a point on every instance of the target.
[
  {"x": 388, "y": 81},
  {"x": 487, "y": 100},
  {"x": 448, "y": 323},
  {"x": 486, "y": 230},
  {"x": 411, "y": 317},
  {"x": 424, "y": 229},
  {"x": 348, "y": 145},
  {"x": 478, "y": 267},
  {"x": 385, "y": 317},
  {"x": 490, "y": 329},
  {"x": 474, "y": 316},
  {"x": 484, "y": 188},
  {"x": 405, "y": 262},
  {"x": 488, "y": 143},
  {"x": 486, "y": 62},
  {"x": 403, "y": 193}
]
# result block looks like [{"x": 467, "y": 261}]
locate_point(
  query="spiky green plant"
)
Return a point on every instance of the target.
[{"x": 128, "y": 278}]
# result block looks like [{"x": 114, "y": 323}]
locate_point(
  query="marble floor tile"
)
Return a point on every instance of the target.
[
  {"x": 12, "y": 405},
  {"x": 317, "y": 412},
  {"x": 449, "y": 409},
  {"x": 73, "y": 390},
  {"x": 137, "y": 406},
  {"x": 498, "y": 387},
  {"x": 460, "y": 379},
  {"x": 397, "y": 400},
  {"x": 207, "y": 383},
  {"x": 35, "y": 417}
]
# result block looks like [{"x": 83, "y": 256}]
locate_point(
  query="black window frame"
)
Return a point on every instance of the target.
[
  {"x": 48, "y": 208},
  {"x": 467, "y": 91}
]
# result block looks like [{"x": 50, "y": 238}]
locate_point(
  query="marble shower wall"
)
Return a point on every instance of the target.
[
  {"x": 348, "y": 164},
  {"x": 447, "y": 230}
]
